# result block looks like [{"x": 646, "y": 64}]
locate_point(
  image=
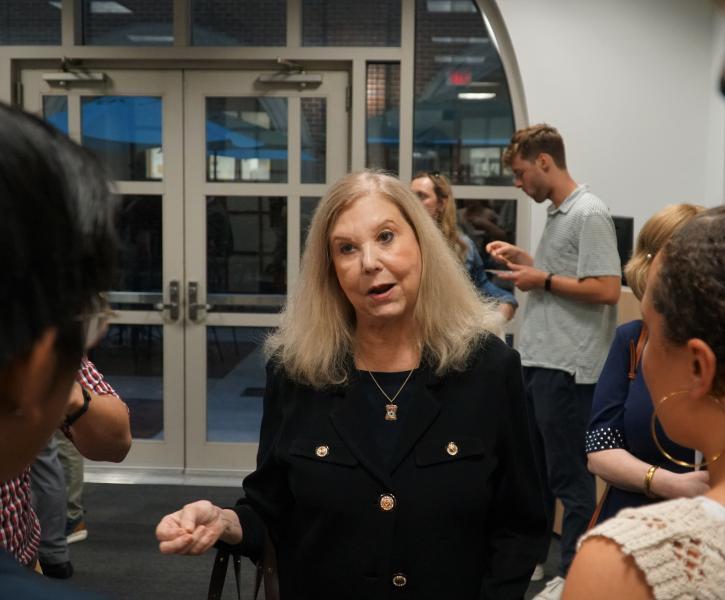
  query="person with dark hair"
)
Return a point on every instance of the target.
[
  {"x": 573, "y": 286},
  {"x": 435, "y": 193},
  {"x": 618, "y": 445},
  {"x": 57, "y": 252},
  {"x": 674, "y": 549}
]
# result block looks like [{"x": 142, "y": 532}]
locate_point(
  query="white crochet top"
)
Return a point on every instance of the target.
[{"x": 679, "y": 545}]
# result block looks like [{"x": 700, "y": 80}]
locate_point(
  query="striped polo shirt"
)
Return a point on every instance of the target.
[{"x": 562, "y": 333}]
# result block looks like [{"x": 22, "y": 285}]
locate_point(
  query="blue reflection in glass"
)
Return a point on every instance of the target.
[
  {"x": 246, "y": 139},
  {"x": 55, "y": 111},
  {"x": 126, "y": 132}
]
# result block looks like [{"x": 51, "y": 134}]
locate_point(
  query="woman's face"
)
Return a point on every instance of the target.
[
  {"x": 377, "y": 261},
  {"x": 423, "y": 188}
]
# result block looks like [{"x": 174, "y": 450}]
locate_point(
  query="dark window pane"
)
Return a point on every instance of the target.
[
  {"x": 313, "y": 143},
  {"x": 128, "y": 23},
  {"x": 463, "y": 112},
  {"x": 140, "y": 233},
  {"x": 131, "y": 357},
  {"x": 30, "y": 22},
  {"x": 246, "y": 253},
  {"x": 487, "y": 221},
  {"x": 125, "y": 132},
  {"x": 383, "y": 116},
  {"x": 307, "y": 210},
  {"x": 239, "y": 23},
  {"x": 55, "y": 111},
  {"x": 350, "y": 23},
  {"x": 235, "y": 383},
  {"x": 246, "y": 139}
]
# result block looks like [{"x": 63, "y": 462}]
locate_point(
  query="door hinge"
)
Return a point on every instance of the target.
[{"x": 18, "y": 94}]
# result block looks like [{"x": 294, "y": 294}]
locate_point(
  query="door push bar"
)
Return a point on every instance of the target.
[
  {"x": 194, "y": 306},
  {"x": 173, "y": 305}
]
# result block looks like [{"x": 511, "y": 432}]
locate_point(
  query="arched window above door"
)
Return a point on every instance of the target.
[{"x": 463, "y": 112}]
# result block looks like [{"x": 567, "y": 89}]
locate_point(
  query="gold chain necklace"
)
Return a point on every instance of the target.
[{"x": 391, "y": 409}]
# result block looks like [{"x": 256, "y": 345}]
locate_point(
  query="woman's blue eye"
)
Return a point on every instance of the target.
[
  {"x": 346, "y": 248},
  {"x": 386, "y": 236}
]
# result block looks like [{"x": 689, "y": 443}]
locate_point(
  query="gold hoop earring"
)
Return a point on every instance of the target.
[{"x": 667, "y": 455}]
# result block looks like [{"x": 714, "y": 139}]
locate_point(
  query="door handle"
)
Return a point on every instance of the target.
[
  {"x": 194, "y": 306},
  {"x": 173, "y": 305}
]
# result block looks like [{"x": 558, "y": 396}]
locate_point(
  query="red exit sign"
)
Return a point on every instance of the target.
[{"x": 459, "y": 77}]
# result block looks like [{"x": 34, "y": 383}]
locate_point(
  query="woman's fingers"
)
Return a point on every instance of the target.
[
  {"x": 192, "y": 530},
  {"x": 168, "y": 527},
  {"x": 204, "y": 538},
  {"x": 177, "y": 545}
]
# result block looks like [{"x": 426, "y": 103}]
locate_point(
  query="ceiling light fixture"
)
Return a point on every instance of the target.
[{"x": 476, "y": 95}]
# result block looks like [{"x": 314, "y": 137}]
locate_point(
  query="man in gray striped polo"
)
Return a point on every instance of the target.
[{"x": 573, "y": 285}]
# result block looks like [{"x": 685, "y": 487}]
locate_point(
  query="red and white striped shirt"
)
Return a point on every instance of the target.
[{"x": 19, "y": 526}]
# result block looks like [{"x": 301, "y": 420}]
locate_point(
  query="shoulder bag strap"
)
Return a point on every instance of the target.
[
  {"x": 635, "y": 351},
  {"x": 598, "y": 509}
]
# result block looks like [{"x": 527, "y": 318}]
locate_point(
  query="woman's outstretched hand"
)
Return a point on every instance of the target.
[{"x": 196, "y": 528}]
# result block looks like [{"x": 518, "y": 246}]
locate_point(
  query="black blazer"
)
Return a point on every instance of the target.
[{"x": 443, "y": 521}]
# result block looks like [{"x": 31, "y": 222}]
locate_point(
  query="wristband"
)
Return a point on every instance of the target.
[
  {"x": 648, "y": 481},
  {"x": 547, "y": 282},
  {"x": 74, "y": 416}
]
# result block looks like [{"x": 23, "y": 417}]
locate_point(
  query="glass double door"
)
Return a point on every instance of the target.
[{"x": 217, "y": 174}]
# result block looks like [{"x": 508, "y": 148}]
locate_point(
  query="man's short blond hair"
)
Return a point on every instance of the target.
[{"x": 529, "y": 142}]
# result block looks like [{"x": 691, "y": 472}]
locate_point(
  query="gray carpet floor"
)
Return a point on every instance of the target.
[{"x": 120, "y": 558}]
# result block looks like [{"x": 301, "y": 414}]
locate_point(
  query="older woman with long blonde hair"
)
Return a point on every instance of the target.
[{"x": 394, "y": 449}]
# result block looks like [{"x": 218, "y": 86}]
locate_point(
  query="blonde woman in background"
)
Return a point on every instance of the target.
[
  {"x": 394, "y": 450},
  {"x": 619, "y": 446},
  {"x": 435, "y": 193},
  {"x": 674, "y": 549}
]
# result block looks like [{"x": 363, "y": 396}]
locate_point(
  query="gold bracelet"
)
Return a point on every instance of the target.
[{"x": 648, "y": 481}]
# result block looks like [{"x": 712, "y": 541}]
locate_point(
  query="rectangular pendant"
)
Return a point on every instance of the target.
[{"x": 391, "y": 411}]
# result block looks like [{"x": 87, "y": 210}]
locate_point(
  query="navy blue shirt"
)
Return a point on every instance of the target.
[{"x": 621, "y": 414}]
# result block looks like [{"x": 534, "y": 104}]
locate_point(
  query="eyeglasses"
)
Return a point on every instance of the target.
[{"x": 96, "y": 321}]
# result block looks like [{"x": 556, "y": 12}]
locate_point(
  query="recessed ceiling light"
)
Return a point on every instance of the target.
[{"x": 476, "y": 95}]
